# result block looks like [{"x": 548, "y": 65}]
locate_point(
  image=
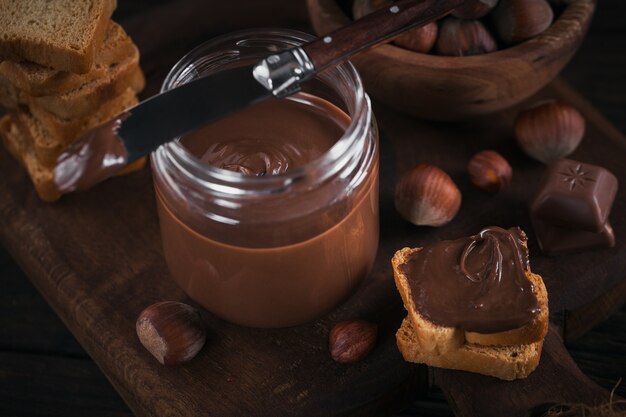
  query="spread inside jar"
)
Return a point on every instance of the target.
[{"x": 270, "y": 138}]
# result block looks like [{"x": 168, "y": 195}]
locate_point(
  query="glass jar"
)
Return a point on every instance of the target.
[{"x": 274, "y": 250}]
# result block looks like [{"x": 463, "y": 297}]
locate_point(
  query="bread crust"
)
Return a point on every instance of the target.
[
  {"x": 9, "y": 95},
  {"x": 18, "y": 147},
  {"x": 504, "y": 362}
]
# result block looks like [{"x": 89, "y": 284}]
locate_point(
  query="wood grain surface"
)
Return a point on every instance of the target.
[
  {"x": 79, "y": 266},
  {"x": 556, "y": 381}
]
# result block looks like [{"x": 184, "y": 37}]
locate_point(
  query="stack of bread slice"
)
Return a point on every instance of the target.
[
  {"x": 67, "y": 67},
  {"x": 507, "y": 355}
]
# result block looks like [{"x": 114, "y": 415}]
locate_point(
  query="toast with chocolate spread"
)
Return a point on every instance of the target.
[{"x": 473, "y": 292}]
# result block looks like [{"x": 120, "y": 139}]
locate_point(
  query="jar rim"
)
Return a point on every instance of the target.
[{"x": 231, "y": 182}]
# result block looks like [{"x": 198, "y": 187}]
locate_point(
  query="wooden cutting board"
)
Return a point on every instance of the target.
[{"x": 96, "y": 257}]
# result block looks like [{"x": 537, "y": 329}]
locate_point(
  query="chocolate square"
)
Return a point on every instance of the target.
[
  {"x": 575, "y": 195},
  {"x": 554, "y": 240}
]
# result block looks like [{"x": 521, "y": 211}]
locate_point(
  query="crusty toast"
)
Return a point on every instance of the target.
[
  {"x": 9, "y": 95},
  {"x": 434, "y": 337},
  {"x": 84, "y": 100},
  {"x": 88, "y": 97},
  {"x": 34, "y": 135},
  {"x": 18, "y": 147},
  {"x": 61, "y": 34},
  {"x": 504, "y": 362},
  {"x": 36, "y": 80}
]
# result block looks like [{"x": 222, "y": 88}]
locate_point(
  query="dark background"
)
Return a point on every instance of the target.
[{"x": 45, "y": 372}]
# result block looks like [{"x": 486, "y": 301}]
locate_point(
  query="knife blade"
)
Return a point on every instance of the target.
[{"x": 229, "y": 90}]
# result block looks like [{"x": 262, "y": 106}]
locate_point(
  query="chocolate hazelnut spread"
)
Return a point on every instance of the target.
[
  {"x": 476, "y": 283},
  {"x": 285, "y": 259},
  {"x": 96, "y": 156},
  {"x": 270, "y": 138}
]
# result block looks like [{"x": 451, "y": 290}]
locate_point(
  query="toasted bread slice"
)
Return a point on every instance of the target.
[
  {"x": 36, "y": 80},
  {"x": 61, "y": 34},
  {"x": 42, "y": 177},
  {"x": 10, "y": 136},
  {"x": 35, "y": 136},
  {"x": 17, "y": 146},
  {"x": 51, "y": 134},
  {"x": 434, "y": 337},
  {"x": 82, "y": 101},
  {"x": 87, "y": 98},
  {"x": 9, "y": 95},
  {"x": 504, "y": 362}
]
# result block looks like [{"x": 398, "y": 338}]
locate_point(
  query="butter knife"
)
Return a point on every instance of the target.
[{"x": 105, "y": 150}]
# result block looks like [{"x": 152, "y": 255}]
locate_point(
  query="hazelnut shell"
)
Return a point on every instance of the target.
[
  {"x": 352, "y": 340},
  {"x": 172, "y": 332},
  {"x": 549, "y": 131},
  {"x": 459, "y": 37},
  {"x": 518, "y": 20},
  {"x": 427, "y": 196},
  {"x": 489, "y": 171},
  {"x": 420, "y": 39}
]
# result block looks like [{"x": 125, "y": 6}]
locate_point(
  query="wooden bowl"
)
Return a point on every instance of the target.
[{"x": 454, "y": 88}]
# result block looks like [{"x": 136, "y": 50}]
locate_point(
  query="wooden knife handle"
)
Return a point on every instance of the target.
[{"x": 375, "y": 28}]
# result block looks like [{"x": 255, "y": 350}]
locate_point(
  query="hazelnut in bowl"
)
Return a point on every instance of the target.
[{"x": 486, "y": 58}]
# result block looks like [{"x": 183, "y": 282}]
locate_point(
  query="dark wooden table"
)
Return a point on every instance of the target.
[{"x": 45, "y": 372}]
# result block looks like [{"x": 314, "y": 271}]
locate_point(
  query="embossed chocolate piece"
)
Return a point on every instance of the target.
[
  {"x": 571, "y": 209},
  {"x": 575, "y": 195}
]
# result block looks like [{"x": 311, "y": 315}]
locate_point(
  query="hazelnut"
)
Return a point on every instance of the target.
[
  {"x": 427, "y": 196},
  {"x": 459, "y": 37},
  {"x": 489, "y": 171},
  {"x": 549, "y": 131},
  {"x": 352, "y": 340},
  {"x": 172, "y": 332},
  {"x": 420, "y": 39},
  {"x": 474, "y": 9},
  {"x": 518, "y": 20}
]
